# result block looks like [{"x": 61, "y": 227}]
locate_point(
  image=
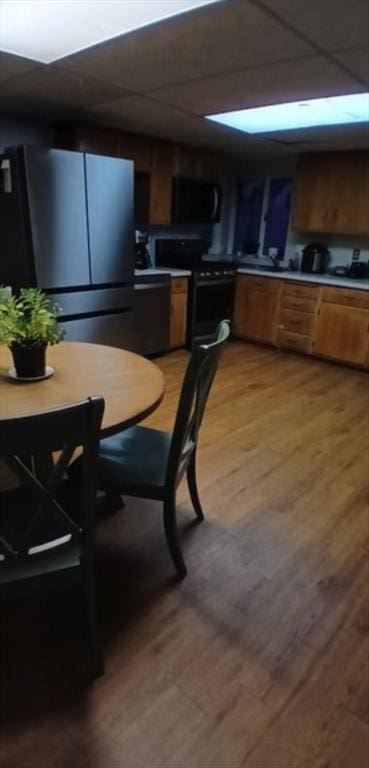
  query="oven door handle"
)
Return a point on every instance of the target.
[
  {"x": 216, "y": 201},
  {"x": 221, "y": 281}
]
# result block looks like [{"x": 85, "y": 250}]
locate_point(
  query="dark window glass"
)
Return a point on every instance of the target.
[
  {"x": 278, "y": 214},
  {"x": 250, "y": 194}
]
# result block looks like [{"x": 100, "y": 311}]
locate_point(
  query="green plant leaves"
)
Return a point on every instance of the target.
[{"x": 29, "y": 318}]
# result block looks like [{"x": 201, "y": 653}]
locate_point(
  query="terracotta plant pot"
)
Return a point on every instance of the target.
[{"x": 29, "y": 359}]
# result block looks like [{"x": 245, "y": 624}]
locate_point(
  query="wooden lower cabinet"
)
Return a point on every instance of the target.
[
  {"x": 261, "y": 316},
  {"x": 256, "y": 309},
  {"x": 342, "y": 333},
  {"x": 178, "y": 312},
  {"x": 330, "y": 322},
  {"x": 298, "y": 305}
]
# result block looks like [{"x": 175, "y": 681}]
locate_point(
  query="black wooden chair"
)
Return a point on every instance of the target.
[
  {"x": 150, "y": 464},
  {"x": 47, "y": 525}
]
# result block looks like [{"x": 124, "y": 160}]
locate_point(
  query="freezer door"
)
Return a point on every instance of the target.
[
  {"x": 57, "y": 203},
  {"x": 110, "y": 216},
  {"x": 114, "y": 330}
]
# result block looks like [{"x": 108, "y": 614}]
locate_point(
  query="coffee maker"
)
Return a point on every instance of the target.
[
  {"x": 142, "y": 256},
  {"x": 315, "y": 258}
]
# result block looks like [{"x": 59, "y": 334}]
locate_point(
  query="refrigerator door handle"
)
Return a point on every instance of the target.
[
  {"x": 216, "y": 202},
  {"x": 7, "y": 176}
]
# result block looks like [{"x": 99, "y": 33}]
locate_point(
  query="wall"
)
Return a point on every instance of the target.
[
  {"x": 15, "y": 131},
  {"x": 340, "y": 246}
]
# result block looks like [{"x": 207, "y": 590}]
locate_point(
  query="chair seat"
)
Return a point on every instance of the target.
[
  {"x": 16, "y": 509},
  {"x": 134, "y": 461}
]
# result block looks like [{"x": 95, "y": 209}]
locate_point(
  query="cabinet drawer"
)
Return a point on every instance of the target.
[
  {"x": 267, "y": 284},
  {"x": 179, "y": 284},
  {"x": 348, "y": 296},
  {"x": 301, "y": 305},
  {"x": 295, "y": 341},
  {"x": 297, "y": 322},
  {"x": 300, "y": 291}
]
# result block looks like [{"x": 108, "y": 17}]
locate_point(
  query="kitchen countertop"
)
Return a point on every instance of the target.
[
  {"x": 163, "y": 270},
  {"x": 340, "y": 282}
]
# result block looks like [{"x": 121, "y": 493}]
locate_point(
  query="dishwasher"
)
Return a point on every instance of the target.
[{"x": 152, "y": 313}]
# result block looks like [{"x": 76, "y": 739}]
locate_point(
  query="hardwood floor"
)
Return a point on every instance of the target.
[{"x": 259, "y": 659}]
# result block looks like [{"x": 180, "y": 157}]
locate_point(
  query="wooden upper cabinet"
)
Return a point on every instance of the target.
[
  {"x": 138, "y": 149},
  {"x": 331, "y": 193},
  {"x": 88, "y": 138},
  {"x": 350, "y": 193},
  {"x": 161, "y": 183},
  {"x": 194, "y": 163},
  {"x": 311, "y": 196}
]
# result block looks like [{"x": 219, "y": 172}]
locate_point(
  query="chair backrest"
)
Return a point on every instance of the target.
[
  {"x": 195, "y": 390},
  {"x": 27, "y": 445}
]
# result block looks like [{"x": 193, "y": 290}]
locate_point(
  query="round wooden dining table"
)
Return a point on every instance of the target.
[{"x": 131, "y": 386}]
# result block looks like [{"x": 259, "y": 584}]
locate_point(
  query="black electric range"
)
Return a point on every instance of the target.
[{"x": 211, "y": 288}]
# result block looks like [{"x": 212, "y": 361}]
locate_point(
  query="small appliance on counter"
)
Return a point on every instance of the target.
[
  {"x": 358, "y": 270},
  {"x": 142, "y": 256},
  {"x": 340, "y": 270},
  {"x": 315, "y": 258}
]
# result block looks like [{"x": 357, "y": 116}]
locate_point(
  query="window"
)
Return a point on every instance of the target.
[
  {"x": 250, "y": 196},
  {"x": 262, "y": 215},
  {"x": 277, "y": 215}
]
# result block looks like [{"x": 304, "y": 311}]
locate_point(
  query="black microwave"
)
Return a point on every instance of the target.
[{"x": 195, "y": 201}]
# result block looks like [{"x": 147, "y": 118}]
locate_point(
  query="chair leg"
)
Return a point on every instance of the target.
[
  {"x": 112, "y": 502},
  {"x": 192, "y": 487},
  {"x": 88, "y": 583},
  {"x": 171, "y": 532}
]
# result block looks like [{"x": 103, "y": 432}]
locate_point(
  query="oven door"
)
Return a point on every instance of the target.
[{"x": 212, "y": 301}]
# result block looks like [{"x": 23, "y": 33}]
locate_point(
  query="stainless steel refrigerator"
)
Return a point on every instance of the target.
[{"x": 66, "y": 226}]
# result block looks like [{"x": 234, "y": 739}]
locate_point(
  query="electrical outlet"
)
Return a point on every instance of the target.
[{"x": 356, "y": 254}]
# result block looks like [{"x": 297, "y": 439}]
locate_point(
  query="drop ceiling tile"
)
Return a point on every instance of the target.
[
  {"x": 357, "y": 61},
  {"x": 145, "y": 116},
  {"x": 287, "y": 81},
  {"x": 137, "y": 113},
  {"x": 331, "y": 24},
  {"x": 50, "y": 88},
  {"x": 11, "y": 66},
  {"x": 221, "y": 37},
  {"x": 333, "y": 134}
]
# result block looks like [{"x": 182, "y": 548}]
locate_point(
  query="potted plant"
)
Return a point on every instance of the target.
[{"x": 28, "y": 323}]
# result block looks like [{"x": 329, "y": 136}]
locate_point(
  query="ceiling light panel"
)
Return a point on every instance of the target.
[
  {"x": 333, "y": 110},
  {"x": 48, "y": 30}
]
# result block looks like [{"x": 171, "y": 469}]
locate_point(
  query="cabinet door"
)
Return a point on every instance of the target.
[
  {"x": 260, "y": 317},
  {"x": 196, "y": 164},
  {"x": 240, "y": 308},
  {"x": 342, "y": 333},
  {"x": 312, "y": 195},
  {"x": 331, "y": 193},
  {"x": 57, "y": 201},
  {"x": 350, "y": 196},
  {"x": 110, "y": 216},
  {"x": 178, "y": 318},
  {"x": 161, "y": 184},
  {"x": 138, "y": 149}
]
